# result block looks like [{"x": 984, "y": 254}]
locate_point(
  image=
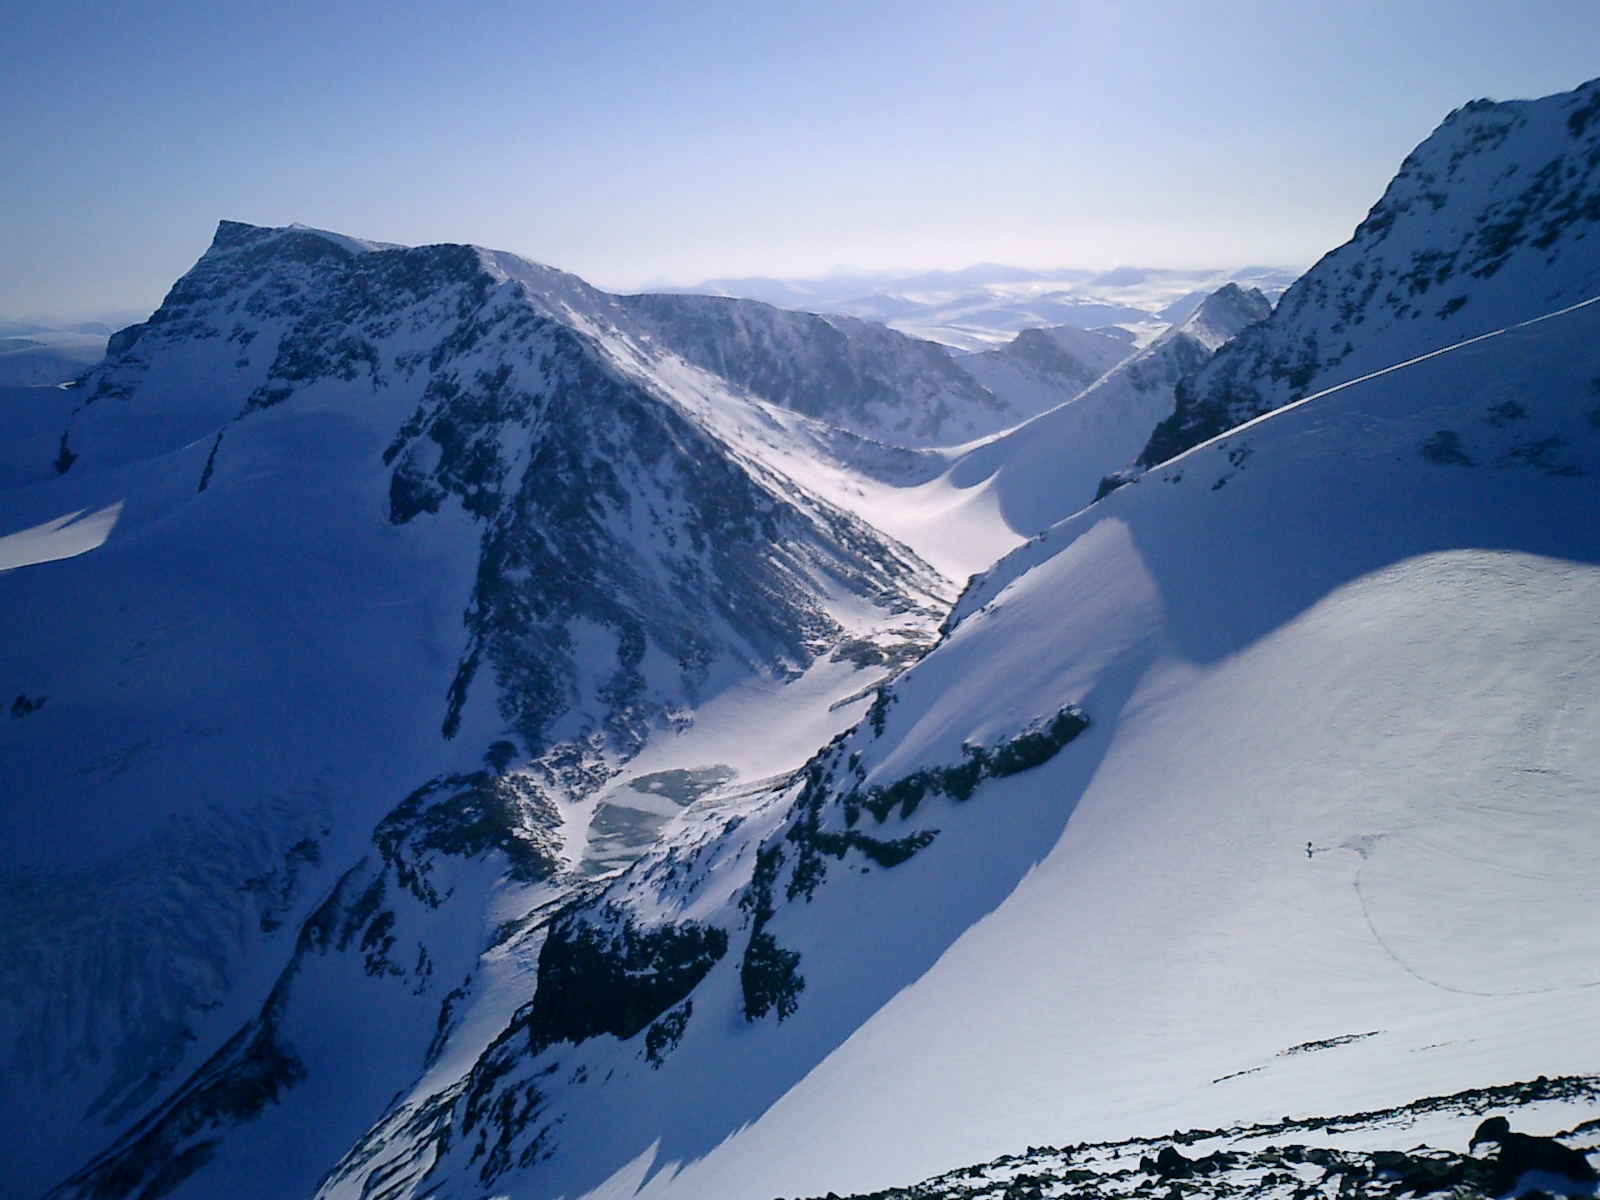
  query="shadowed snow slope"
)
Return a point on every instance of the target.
[
  {"x": 971, "y": 926},
  {"x": 424, "y": 796},
  {"x": 1264, "y": 785}
]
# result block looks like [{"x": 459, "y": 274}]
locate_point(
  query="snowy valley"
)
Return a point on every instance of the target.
[{"x": 475, "y": 735}]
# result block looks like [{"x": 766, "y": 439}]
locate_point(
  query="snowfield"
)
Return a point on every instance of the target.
[{"x": 1347, "y": 645}]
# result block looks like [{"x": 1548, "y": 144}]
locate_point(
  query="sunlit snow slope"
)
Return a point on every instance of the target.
[
  {"x": 1051, "y": 466},
  {"x": 424, "y": 787},
  {"x": 1265, "y": 786}
]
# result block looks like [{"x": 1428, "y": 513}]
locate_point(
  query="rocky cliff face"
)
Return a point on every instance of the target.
[
  {"x": 623, "y": 554},
  {"x": 435, "y": 569}
]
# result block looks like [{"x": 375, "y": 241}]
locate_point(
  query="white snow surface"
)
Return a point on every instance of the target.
[
  {"x": 1324, "y": 845},
  {"x": 1347, "y": 645},
  {"x": 65, "y": 537}
]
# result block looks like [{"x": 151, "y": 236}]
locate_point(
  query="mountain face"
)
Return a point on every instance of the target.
[
  {"x": 868, "y": 379},
  {"x": 412, "y": 553},
  {"x": 1221, "y": 799},
  {"x": 602, "y": 506},
  {"x": 1486, "y": 224},
  {"x": 1168, "y": 832},
  {"x": 1055, "y": 464}
]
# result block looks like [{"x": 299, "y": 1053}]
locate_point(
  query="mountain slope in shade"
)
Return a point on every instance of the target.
[
  {"x": 1260, "y": 787},
  {"x": 1053, "y": 465},
  {"x": 508, "y": 865},
  {"x": 1488, "y": 222},
  {"x": 417, "y": 550}
]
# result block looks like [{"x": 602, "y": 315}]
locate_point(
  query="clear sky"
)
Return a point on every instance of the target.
[{"x": 632, "y": 142}]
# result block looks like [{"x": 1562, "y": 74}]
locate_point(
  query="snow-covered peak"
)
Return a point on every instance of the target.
[
  {"x": 1488, "y": 222},
  {"x": 1222, "y": 315},
  {"x": 343, "y": 240}
]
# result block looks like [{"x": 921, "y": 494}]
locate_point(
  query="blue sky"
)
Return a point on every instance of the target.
[{"x": 633, "y": 142}]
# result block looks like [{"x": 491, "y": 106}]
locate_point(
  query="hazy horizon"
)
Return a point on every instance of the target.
[{"x": 639, "y": 145}]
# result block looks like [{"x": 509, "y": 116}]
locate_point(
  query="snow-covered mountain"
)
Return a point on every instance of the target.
[
  {"x": 1053, "y": 465},
  {"x": 488, "y": 742},
  {"x": 1256, "y": 788},
  {"x": 866, "y": 378},
  {"x": 986, "y": 306},
  {"x": 1486, "y": 224},
  {"x": 322, "y": 549}
]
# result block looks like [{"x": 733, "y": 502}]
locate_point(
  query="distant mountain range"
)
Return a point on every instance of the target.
[
  {"x": 985, "y": 306},
  {"x": 473, "y": 735}
]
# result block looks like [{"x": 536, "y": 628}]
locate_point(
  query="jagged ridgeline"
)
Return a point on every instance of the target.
[
  {"x": 1168, "y": 822},
  {"x": 624, "y": 550},
  {"x": 1484, "y": 225}
]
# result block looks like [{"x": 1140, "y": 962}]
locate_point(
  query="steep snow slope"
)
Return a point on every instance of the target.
[
  {"x": 416, "y": 551},
  {"x": 1489, "y": 222},
  {"x": 1350, "y": 644},
  {"x": 1321, "y": 846},
  {"x": 1051, "y": 466}
]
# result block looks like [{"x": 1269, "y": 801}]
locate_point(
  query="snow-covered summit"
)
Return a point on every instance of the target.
[
  {"x": 1487, "y": 223},
  {"x": 504, "y": 747},
  {"x": 1255, "y": 789}
]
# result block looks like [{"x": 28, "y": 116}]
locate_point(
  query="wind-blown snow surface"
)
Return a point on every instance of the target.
[
  {"x": 1349, "y": 644},
  {"x": 1263, "y": 786},
  {"x": 1352, "y": 645}
]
